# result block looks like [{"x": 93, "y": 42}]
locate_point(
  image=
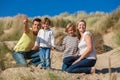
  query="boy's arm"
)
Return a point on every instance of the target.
[
  {"x": 37, "y": 43},
  {"x": 52, "y": 40},
  {"x": 62, "y": 47},
  {"x": 35, "y": 48},
  {"x": 25, "y": 22}
]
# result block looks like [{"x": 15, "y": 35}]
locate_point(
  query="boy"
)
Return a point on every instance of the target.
[{"x": 45, "y": 42}]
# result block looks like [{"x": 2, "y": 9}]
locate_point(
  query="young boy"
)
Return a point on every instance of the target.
[
  {"x": 45, "y": 42},
  {"x": 69, "y": 44}
]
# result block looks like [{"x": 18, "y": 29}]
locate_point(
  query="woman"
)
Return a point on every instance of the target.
[{"x": 85, "y": 60}]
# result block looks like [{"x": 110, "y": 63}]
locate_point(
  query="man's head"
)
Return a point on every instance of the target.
[{"x": 36, "y": 25}]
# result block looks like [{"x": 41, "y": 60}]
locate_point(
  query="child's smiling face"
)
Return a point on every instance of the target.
[
  {"x": 70, "y": 31},
  {"x": 46, "y": 25}
]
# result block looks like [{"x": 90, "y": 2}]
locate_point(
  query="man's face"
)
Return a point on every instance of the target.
[{"x": 36, "y": 26}]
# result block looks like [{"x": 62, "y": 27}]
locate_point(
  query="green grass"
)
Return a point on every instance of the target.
[
  {"x": 53, "y": 76},
  {"x": 1, "y": 31},
  {"x": 3, "y": 50},
  {"x": 117, "y": 39}
]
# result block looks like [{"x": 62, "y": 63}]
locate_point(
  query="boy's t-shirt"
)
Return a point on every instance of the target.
[
  {"x": 69, "y": 45},
  {"x": 26, "y": 42},
  {"x": 45, "y": 38}
]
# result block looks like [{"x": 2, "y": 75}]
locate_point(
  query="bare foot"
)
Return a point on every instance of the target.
[{"x": 93, "y": 70}]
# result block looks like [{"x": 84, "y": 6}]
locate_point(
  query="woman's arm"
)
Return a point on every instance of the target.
[{"x": 88, "y": 40}]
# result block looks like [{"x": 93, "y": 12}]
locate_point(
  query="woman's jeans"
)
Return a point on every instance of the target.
[
  {"x": 21, "y": 57},
  {"x": 83, "y": 66},
  {"x": 45, "y": 57}
]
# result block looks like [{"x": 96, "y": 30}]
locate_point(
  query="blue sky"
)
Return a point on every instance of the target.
[{"x": 33, "y": 8}]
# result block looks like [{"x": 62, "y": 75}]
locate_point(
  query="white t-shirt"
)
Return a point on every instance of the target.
[
  {"x": 45, "y": 38},
  {"x": 83, "y": 46}
]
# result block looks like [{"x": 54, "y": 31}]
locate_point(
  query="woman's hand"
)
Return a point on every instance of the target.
[
  {"x": 74, "y": 55},
  {"x": 76, "y": 61}
]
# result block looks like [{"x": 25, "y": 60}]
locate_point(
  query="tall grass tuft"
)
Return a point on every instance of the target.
[
  {"x": 98, "y": 39},
  {"x": 103, "y": 24},
  {"x": 53, "y": 76},
  {"x": 117, "y": 26},
  {"x": 1, "y": 31},
  {"x": 3, "y": 51},
  {"x": 117, "y": 38},
  {"x": 16, "y": 28}
]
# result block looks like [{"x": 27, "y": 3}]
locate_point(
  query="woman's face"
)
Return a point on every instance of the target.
[
  {"x": 81, "y": 27},
  {"x": 36, "y": 26}
]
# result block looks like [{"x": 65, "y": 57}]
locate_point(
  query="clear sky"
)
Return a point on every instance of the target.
[{"x": 33, "y": 8}]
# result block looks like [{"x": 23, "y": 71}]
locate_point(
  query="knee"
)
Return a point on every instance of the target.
[
  {"x": 65, "y": 61},
  {"x": 22, "y": 62},
  {"x": 69, "y": 70},
  {"x": 64, "y": 67}
]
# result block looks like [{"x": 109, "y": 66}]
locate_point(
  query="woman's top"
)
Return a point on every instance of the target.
[{"x": 83, "y": 46}]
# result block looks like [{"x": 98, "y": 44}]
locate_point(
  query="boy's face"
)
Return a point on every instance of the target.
[
  {"x": 36, "y": 26},
  {"x": 46, "y": 25},
  {"x": 70, "y": 31}
]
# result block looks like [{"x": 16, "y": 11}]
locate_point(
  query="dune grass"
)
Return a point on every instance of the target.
[{"x": 117, "y": 38}]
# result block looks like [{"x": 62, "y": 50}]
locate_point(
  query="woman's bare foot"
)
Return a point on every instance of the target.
[{"x": 93, "y": 70}]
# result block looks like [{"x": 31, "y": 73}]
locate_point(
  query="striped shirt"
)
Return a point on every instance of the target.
[{"x": 69, "y": 45}]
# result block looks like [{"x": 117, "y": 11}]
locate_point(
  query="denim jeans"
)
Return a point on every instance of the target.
[
  {"x": 45, "y": 57},
  {"x": 83, "y": 66},
  {"x": 21, "y": 57},
  {"x": 64, "y": 67}
]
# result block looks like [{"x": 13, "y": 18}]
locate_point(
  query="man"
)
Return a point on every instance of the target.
[{"x": 23, "y": 49}]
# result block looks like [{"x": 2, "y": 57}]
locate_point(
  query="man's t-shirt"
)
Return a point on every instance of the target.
[{"x": 26, "y": 42}]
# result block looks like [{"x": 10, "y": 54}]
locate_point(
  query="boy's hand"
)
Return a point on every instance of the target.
[
  {"x": 35, "y": 48},
  {"x": 52, "y": 48}
]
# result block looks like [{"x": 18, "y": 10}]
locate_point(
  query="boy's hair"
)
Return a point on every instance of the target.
[
  {"x": 37, "y": 19},
  {"x": 70, "y": 25},
  {"x": 47, "y": 20}
]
